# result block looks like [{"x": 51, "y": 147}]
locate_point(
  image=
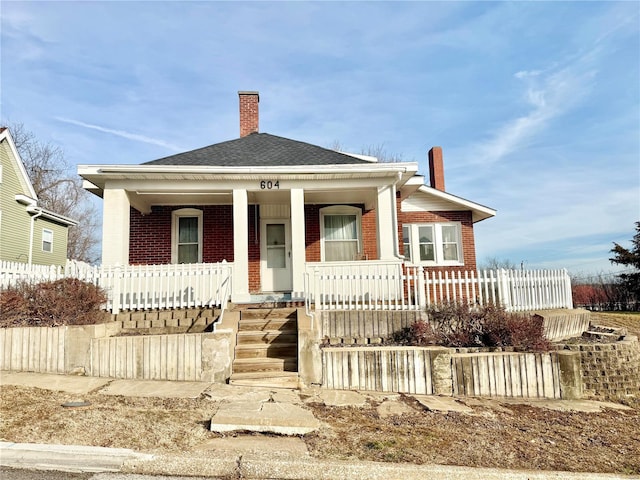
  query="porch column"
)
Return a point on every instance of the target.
[
  {"x": 298, "y": 254},
  {"x": 240, "y": 279},
  {"x": 386, "y": 224},
  {"x": 115, "y": 231}
]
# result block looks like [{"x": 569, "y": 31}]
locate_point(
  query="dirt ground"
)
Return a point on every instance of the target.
[{"x": 501, "y": 435}]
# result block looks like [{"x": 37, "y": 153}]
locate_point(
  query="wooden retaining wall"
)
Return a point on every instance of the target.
[
  {"x": 189, "y": 357},
  {"x": 442, "y": 371},
  {"x": 415, "y": 370},
  {"x": 33, "y": 349},
  {"x": 93, "y": 350},
  {"x": 529, "y": 375}
]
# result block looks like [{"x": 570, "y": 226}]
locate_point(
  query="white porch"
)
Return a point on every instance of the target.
[{"x": 280, "y": 201}]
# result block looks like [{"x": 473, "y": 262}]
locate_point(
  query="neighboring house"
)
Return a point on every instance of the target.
[
  {"x": 274, "y": 206},
  {"x": 28, "y": 233}
]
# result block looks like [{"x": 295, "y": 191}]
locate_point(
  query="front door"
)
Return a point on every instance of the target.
[{"x": 275, "y": 255}]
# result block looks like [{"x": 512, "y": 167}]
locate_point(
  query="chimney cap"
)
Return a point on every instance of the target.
[{"x": 249, "y": 92}]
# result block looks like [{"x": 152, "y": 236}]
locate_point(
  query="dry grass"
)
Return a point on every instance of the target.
[
  {"x": 628, "y": 320},
  {"x": 505, "y": 436},
  {"x": 32, "y": 415},
  {"x": 516, "y": 437}
]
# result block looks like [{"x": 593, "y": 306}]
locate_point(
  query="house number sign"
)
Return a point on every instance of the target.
[{"x": 269, "y": 185}]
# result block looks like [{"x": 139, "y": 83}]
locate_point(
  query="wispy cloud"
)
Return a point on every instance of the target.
[
  {"x": 121, "y": 133},
  {"x": 549, "y": 94}
]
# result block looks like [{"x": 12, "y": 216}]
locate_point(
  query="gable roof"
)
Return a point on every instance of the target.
[
  {"x": 260, "y": 150},
  {"x": 23, "y": 177},
  {"x": 427, "y": 198},
  {"x": 28, "y": 195}
]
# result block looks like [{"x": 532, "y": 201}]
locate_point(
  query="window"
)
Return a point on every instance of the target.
[
  {"x": 340, "y": 233},
  {"x": 433, "y": 244},
  {"x": 406, "y": 242},
  {"x": 47, "y": 240},
  {"x": 186, "y": 245}
]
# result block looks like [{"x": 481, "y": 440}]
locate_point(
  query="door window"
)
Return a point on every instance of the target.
[{"x": 276, "y": 246}]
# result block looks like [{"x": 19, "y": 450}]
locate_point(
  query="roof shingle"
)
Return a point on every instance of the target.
[{"x": 259, "y": 150}]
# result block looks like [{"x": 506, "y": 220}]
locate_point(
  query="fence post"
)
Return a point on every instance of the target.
[
  {"x": 316, "y": 288},
  {"x": 569, "y": 294},
  {"x": 421, "y": 289},
  {"x": 504, "y": 289},
  {"x": 117, "y": 289}
]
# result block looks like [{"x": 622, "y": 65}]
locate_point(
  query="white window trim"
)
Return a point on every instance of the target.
[
  {"x": 50, "y": 232},
  {"x": 340, "y": 210},
  {"x": 175, "y": 219},
  {"x": 414, "y": 243}
]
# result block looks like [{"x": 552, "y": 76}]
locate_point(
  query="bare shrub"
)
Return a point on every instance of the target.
[
  {"x": 67, "y": 301},
  {"x": 459, "y": 325}
]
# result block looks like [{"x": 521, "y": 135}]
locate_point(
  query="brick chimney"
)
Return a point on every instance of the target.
[
  {"x": 248, "y": 112},
  {"x": 436, "y": 168}
]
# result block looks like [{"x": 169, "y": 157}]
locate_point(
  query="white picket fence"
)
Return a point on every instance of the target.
[
  {"x": 138, "y": 287},
  {"x": 363, "y": 285},
  {"x": 395, "y": 286}
]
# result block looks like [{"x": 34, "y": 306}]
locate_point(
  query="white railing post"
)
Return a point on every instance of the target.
[
  {"x": 117, "y": 290},
  {"x": 569, "y": 294},
  {"x": 317, "y": 301},
  {"x": 421, "y": 288}
]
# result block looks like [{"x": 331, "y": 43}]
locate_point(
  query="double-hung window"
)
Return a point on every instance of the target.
[
  {"x": 432, "y": 243},
  {"x": 186, "y": 245},
  {"x": 47, "y": 240},
  {"x": 340, "y": 233}
]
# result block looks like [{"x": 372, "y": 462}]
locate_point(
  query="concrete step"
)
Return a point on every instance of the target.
[
  {"x": 286, "y": 364},
  {"x": 259, "y": 324},
  {"x": 266, "y": 336},
  {"x": 268, "y": 313},
  {"x": 269, "y": 380},
  {"x": 266, "y": 350}
]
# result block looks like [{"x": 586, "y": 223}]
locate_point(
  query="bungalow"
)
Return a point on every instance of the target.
[
  {"x": 274, "y": 207},
  {"x": 29, "y": 234}
]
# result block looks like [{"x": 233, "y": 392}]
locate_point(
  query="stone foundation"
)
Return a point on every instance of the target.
[{"x": 610, "y": 371}]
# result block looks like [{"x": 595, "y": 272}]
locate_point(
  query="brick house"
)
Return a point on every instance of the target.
[{"x": 273, "y": 206}]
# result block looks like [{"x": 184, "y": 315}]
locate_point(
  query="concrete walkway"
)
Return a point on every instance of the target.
[{"x": 278, "y": 411}]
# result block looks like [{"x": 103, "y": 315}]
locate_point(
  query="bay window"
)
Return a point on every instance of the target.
[{"x": 433, "y": 243}]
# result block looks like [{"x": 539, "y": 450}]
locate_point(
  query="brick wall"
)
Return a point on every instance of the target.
[
  {"x": 464, "y": 217},
  {"x": 610, "y": 371},
  {"x": 312, "y": 232},
  {"x": 150, "y": 235},
  {"x": 253, "y": 248}
]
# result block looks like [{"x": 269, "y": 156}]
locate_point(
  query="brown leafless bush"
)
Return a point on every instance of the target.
[
  {"x": 68, "y": 301},
  {"x": 460, "y": 325}
]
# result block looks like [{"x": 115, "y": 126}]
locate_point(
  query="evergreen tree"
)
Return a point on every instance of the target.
[{"x": 629, "y": 257}]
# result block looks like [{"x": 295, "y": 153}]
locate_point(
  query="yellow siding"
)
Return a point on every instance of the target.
[
  {"x": 58, "y": 256},
  {"x": 14, "y": 230},
  {"x": 15, "y": 221}
]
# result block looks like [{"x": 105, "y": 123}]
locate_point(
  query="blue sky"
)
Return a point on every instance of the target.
[{"x": 536, "y": 104}]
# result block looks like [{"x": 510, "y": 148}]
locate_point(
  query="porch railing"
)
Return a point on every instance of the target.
[
  {"x": 138, "y": 287},
  {"x": 396, "y": 286}
]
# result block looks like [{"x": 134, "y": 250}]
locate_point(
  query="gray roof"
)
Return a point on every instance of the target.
[{"x": 259, "y": 150}]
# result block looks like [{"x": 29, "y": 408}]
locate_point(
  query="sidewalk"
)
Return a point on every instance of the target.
[{"x": 259, "y": 457}]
